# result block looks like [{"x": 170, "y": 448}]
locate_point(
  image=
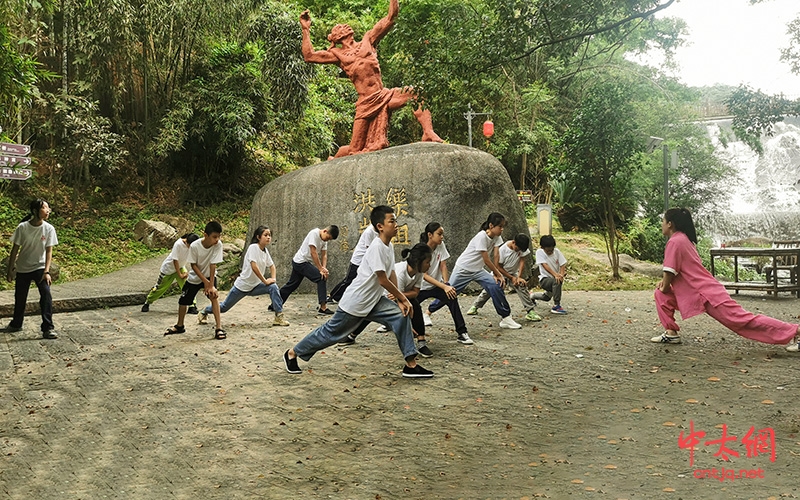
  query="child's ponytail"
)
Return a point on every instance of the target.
[
  {"x": 431, "y": 228},
  {"x": 257, "y": 234},
  {"x": 33, "y": 210},
  {"x": 417, "y": 255},
  {"x": 494, "y": 219}
]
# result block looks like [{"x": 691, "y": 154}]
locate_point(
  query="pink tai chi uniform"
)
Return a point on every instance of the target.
[{"x": 695, "y": 291}]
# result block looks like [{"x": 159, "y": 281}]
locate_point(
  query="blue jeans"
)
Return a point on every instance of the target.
[
  {"x": 460, "y": 279},
  {"x": 385, "y": 312},
  {"x": 305, "y": 270},
  {"x": 235, "y": 295},
  {"x": 21, "y": 287}
]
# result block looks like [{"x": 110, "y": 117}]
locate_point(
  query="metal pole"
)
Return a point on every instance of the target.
[
  {"x": 666, "y": 177},
  {"x": 469, "y": 114}
]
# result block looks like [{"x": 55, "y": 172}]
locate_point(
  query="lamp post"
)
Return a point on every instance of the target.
[
  {"x": 469, "y": 115},
  {"x": 668, "y": 162}
]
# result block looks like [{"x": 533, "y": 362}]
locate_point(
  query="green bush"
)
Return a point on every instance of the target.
[{"x": 643, "y": 240}]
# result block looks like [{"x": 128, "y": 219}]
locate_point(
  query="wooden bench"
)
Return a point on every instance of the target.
[
  {"x": 773, "y": 286},
  {"x": 784, "y": 262}
]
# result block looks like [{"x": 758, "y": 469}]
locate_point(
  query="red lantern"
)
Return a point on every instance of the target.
[{"x": 488, "y": 128}]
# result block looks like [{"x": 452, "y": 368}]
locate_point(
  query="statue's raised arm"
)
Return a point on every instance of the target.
[
  {"x": 383, "y": 26},
  {"x": 309, "y": 54}
]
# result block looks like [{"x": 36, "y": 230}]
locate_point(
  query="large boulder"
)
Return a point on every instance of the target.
[
  {"x": 182, "y": 226},
  {"x": 455, "y": 185},
  {"x": 155, "y": 234}
]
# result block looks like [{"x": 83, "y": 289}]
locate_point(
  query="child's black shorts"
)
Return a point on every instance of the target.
[{"x": 189, "y": 292}]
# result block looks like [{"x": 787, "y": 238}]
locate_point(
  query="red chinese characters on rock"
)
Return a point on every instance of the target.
[{"x": 757, "y": 443}]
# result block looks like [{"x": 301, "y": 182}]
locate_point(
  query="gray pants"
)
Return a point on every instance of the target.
[
  {"x": 522, "y": 293},
  {"x": 552, "y": 288}
]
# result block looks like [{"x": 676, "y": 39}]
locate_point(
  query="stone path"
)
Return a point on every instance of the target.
[{"x": 577, "y": 405}]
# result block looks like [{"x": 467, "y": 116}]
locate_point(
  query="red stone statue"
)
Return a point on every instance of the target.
[{"x": 359, "y": 61}]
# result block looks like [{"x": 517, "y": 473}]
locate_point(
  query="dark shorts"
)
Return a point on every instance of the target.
[{"x": 189, "y": 292}]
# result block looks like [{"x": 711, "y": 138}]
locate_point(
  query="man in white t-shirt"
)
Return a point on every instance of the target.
[
  {"x": 364, "y": 301},
  {"x": 311, "y": 261},
  {"x": 552, "y": 270}
]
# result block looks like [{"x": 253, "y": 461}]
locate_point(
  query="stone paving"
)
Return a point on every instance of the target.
[{"x": 577, "y": 405}]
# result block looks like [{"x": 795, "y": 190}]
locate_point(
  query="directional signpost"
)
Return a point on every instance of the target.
[{"x": 12, "y": 155}]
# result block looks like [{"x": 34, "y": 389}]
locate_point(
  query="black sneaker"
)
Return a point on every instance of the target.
[
  {"x": 349, "y": 340},
  {"x": 13, "y": 329},
  {"x": 192, "y": 310},
  {"x": 291, "y": 364},
  {"x": 416, "y": 372},
  {"x": 425, "y": 351},
  {"x": 270, "y": 309},
  {"x": 49, "y": 334},
  {"x": 324, "y": 311},
  {"x": 146, "y": 307}
]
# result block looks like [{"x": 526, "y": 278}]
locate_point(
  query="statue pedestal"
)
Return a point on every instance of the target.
[{"x": 456, "y": 186}]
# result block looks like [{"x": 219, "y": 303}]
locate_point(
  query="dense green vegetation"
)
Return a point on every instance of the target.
[{"x": 187, "y": 107}]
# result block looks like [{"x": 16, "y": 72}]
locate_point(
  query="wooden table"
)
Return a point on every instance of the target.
[{"x": 773, "y": 286}]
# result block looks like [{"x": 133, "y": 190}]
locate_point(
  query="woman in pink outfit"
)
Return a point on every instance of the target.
[{"x": 688, "y": 287}]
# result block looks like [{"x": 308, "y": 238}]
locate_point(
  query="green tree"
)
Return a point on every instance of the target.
[{"x": 602, "y": 154}]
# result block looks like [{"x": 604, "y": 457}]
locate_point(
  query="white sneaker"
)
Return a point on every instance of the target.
[
  {"x": 793, "y": 347},
  {"x": 381, "y": 329},
  {"x": 666, "y": 339},
  {"x": 508, "y": 322},
  {"x": 426, "y": 319}
]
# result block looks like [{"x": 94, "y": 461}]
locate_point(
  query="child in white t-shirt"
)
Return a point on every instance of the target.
[
  {"x": 470, "y": 267},
  {"x": 364, "y": 240},
  {"x": 552, "y": 270},
  {"x": 364, "y": 301},
  {"x": 311, "y": 261},
  {"x": 511, "y": 263},
  {"x": 29, "y": 262},
  {"x": 252, "y": 279},
  {"x": 204, "y": 255},
  {"x": 409, "y": 274},
  {"x": 172, "y": 269}
]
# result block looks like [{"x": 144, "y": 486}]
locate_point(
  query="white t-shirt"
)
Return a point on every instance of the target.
[
  {"x": 439, "y": 255},
  {"x": 203, "y": 257},
  {"x": 304, "y": 253},
  {"x": 364, "y": 240},
  {"x": 180, "y": 252},
  {"x": 471, "y": 259},
  {"x": 555, "y": 262},
  {"x": 365, "y": 291},
  {"x": 406, "y": 282},
  {"x": 509, "y": 259},
  {"x": 33, "y": 242},
  {"x": 247, "y": 279}
]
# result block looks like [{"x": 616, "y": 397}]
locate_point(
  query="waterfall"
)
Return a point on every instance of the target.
[{"x": 765, "y": 196}]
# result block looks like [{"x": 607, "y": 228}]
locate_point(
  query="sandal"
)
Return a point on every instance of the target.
[
  {"x": 219, "y": 334},
  {"x": 175, "y": 330}
]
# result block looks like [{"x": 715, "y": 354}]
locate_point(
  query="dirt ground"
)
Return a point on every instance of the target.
[{"x": 581, "y": 405}]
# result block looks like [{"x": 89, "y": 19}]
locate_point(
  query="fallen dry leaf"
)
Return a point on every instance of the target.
[
  {"x": 577, "y": 481},
  {"x": 692, "y": 401},
  {"x": 767, "y": 402},
  {"x": 713, "y": 379}
]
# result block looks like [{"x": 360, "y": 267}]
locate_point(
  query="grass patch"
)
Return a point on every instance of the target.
[{"x": 584, "y": 272}]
